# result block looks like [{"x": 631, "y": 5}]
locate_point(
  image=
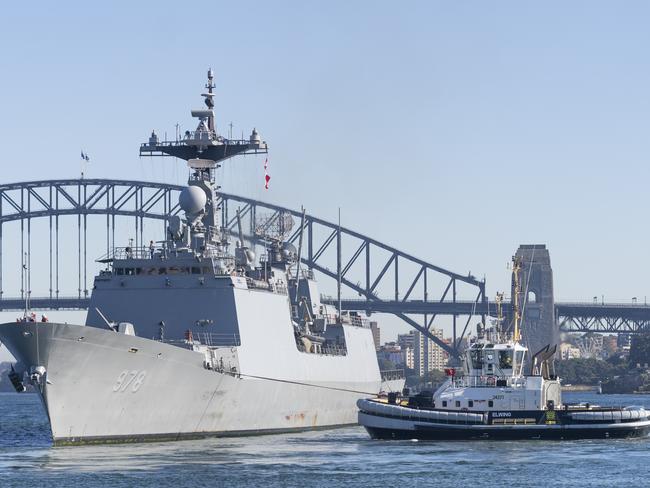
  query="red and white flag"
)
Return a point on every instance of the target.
[{"x": 267, "y": 178}]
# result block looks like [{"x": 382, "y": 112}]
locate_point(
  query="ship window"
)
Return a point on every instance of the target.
[
  {"x": 162, "y": 271},
  {"x": 470, "y": 403},
  {"x": 444, "y": 403},
  {"x": 477, "y": 359},
  {"x": 505, "y": 359},
  {"x": 172, "y": 270},
  {"x": 458, "y": 403},
  {"x": 207, "y": 270},
  {"x": 119, "y": 271},
  {"x": 129, "y": 271},
  {"x": 490, "y": 403},
  {"x": 138, "y": 271},
  {"x": 520, "y": 357},
  {"x": 196, "y": 270}
]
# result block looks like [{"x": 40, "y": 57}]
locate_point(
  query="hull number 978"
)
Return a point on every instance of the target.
[{"x": 129, "y": 380}]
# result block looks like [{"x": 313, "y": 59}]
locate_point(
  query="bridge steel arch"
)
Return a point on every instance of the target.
[{"x": 388, "y": 279}]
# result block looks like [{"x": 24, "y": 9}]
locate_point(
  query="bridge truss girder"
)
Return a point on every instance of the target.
[
  {"x": 362, "y": 264},
  {"x": 604, "y": 325}
]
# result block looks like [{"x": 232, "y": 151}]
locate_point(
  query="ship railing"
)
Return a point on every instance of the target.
[
  {"x": 346, "y": 319},
  {"x": 334, "y": 350},
  {"x": 392, "y": 374},
  {"x": 304, "y": 274},
  {"x": 279, "y": 288},
  {"x": 257, "y": 284},
  {"x": 130, "y": 252},
  {"x": 213, "y": 339},
  {"x": 189, "y": 136},
  {"x": 325, "y": 349},
  {"x": 489, "y": 381}
]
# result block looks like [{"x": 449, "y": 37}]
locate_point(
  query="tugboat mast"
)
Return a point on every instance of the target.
[{"x": 516, "y": 268}]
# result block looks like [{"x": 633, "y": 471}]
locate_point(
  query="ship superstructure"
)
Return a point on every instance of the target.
[{"x": 192, "y": 336}]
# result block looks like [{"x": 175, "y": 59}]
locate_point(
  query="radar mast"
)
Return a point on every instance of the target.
[{"x": 203, "y": 149}]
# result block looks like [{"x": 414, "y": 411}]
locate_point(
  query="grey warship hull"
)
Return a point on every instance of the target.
[
  {"x": 101, "y": 386},
  {"x": 185, "y": 338}
]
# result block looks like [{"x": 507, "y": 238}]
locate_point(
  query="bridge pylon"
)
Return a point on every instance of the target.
[{"x": 539, "y": 326}]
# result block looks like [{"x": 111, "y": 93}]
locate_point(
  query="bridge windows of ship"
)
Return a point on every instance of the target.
[
  {"x": 532, "y": 297},
  {"x": 170, "y": 270}
]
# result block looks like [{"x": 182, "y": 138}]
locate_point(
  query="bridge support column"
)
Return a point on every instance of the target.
[{"x": 538, "y": 326}]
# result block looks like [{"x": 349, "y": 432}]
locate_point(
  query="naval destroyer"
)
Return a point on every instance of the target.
[{"x": 186, "y": 338}]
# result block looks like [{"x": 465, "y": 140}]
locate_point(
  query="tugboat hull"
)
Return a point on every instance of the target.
[
  {"x": 558, "y": 432},
  {"x": 384, "y": 421}
]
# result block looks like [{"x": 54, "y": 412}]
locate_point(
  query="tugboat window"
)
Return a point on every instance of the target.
[
  {"x": 457, "y": 403},
  {"x": 444, "y": 403},
  {"x": 477, "y": 359},
  {"x": 470, "y": 403},
  {"x": 490, "y": 403},
  {"x": 505, "y": 359},
  {"x": 519, "y": 355}
]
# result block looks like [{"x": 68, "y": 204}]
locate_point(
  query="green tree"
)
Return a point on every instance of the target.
[{"x": 587, "y": 371}]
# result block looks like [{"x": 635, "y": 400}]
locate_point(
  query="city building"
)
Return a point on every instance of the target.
[
  {"x": 408, "y": 358},
  {"x": 568, "y": 351},
  {"x": 407, "y": 343},
  {"x": 427, "y": 355},
  {"x": 624, "y": 341},
  {"x": 376, "y": 334}
]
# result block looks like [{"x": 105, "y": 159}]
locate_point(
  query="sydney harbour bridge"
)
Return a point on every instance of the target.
[{"x": 51, "y": 223}]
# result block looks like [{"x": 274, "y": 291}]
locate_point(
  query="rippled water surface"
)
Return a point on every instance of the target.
[{"x": 333, "y": 458}]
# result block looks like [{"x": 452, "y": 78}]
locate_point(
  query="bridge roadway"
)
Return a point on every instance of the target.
[{"x": 570, "y": 316}]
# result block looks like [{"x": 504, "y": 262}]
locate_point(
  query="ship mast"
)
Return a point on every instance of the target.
[
  {"x": 203, "y": 149},
  {"x": 499, "y": 302},
  {"x": 516, "y": 268}
]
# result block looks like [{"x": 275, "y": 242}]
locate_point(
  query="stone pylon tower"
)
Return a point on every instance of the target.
[{"x": 538, "y": 327}]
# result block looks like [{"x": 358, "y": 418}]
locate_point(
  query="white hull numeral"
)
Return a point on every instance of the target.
[{"x": 129, "y": 380}]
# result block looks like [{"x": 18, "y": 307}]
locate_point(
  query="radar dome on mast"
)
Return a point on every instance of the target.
[{"x": 192, "y": 200}]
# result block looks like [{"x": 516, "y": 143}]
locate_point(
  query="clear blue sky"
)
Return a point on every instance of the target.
[{"x": 453, "y": 130}]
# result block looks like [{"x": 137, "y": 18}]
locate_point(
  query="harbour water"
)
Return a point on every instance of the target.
[{"x": 334, "y": 458}]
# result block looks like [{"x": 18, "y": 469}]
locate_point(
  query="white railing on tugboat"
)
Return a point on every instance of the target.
[{"x": 488, "y": 381}]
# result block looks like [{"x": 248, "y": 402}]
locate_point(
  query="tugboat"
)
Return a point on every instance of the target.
[{"x": 490, "y": 397}]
